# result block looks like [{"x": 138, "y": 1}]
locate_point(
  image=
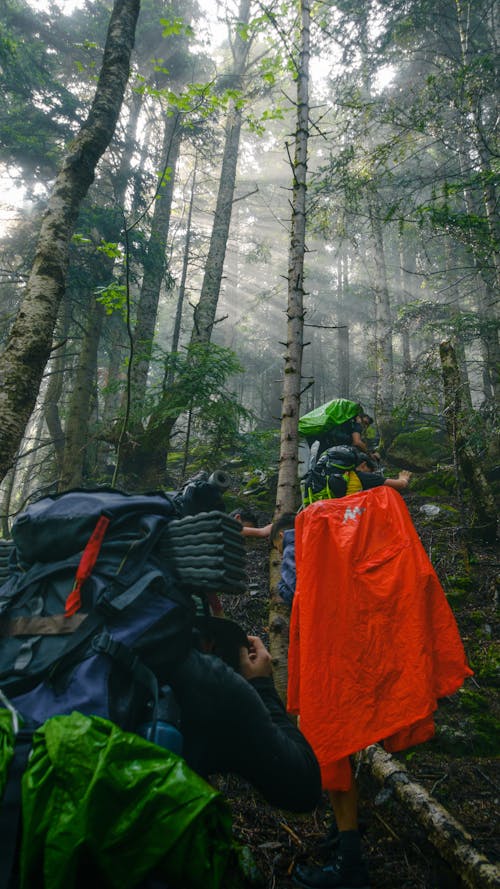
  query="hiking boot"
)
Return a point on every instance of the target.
[
  {"x": 329, "y": 841},
  {"x": 328, "y": 844},
  {"x": 340, "y": 873}
]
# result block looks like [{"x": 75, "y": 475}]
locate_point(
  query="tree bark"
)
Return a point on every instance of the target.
[
  {"x": 77, "y": 424},
  {"x": 155, "y": 262},
  {"x": 55, "y": 387},
  {"x": 185, "y": 265},
  {"x": 383, "y": 329},
  {"x": 204, "y": 314},
  {"x": 458, "y": 428},
  {"x": 448, "y": 836},
  {"x": 288, "y": 483},
  {"x": 287, "y": 497},
  {"x": 28, "y": 348}
]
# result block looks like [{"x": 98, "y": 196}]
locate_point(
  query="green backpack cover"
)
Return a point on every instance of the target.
[
  {"x": 326, "y": 416},
  {"x": 101, "y": 806}
]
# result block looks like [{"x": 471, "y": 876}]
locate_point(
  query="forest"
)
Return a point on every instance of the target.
[{"x": 217, "y": 216}]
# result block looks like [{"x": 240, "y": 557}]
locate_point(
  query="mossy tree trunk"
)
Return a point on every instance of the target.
[{"x": 29, "y": 344}]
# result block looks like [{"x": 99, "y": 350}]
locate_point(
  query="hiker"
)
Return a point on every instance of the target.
[
  {"x": 282, "y": 538},
  {"x": 382, "y": 610},
  {"x": 234, "y": 722},
  {"x": 350, "y": 433},
  {"x": 366, "y": 472},
  {"x": 344, "y": 470},
  {"x": 248, "y": 520},
  {"x": 361, "y": 478}
]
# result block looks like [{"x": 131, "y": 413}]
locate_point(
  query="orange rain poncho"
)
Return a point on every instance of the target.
[{"x": 373, "y": 640}]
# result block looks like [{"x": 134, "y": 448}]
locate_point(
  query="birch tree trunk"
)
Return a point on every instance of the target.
[
  {"x": 445, "y": 833},
  {"x": 287, "y": 498},
  {"x": 28, "y": 347}
]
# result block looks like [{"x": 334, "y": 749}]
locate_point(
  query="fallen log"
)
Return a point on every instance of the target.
[{"x": 448, "y": 836}]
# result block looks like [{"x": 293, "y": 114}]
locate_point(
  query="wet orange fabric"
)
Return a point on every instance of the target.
[{"x": 373, "y": 641}]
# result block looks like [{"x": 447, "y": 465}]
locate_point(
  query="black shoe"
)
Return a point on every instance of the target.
[
  {"x": 338, "y": 874},
  {"x": 329, "y": 842}
]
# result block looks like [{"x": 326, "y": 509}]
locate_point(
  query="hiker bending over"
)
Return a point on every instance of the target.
[{"x": 235, "y": 722}]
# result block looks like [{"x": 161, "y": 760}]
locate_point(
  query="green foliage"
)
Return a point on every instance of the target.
[
  {"x": 259, "y": 449},
  {"x": 113, "y": 297},
  {"x": 176, "y": 26},
  {"x": 485, "y": 661},
  {"x": 38, "y": 108},
  {"x": 110, "y": 249}
]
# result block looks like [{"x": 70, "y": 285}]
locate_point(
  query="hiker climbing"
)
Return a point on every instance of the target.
[
  {"x": 337, "y": 422},
  {"x": 383, "y": 610},
  {"x": 342, "y": 470}
]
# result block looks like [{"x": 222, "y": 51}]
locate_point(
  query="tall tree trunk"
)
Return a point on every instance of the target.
[
  {"x": 28, "y": 347},
  {"x": 205, "y": 312},
  {"x": 383, "y": 329},
  {"x": 407, "y": 271},
  {"x": 185, "y": 265},
  {"x": 343, "y": 365},
  {"x": 54, "y": 389},
  {"x": 34, "y": 467},
  {"x": 76, "y": 431},
  {"x": 487, "y": 261},
  {"x": 6, "y": 489},
  {"x": 458, "y": 429},
  {"x": 155, "y": 262},
  {"x": 287, "y": 497}
]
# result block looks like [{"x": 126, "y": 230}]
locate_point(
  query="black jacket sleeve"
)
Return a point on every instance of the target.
[{"x": 231, "y": 725}]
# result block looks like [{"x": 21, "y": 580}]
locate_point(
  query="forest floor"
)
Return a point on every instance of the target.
[{"x": 460, "y": 767}]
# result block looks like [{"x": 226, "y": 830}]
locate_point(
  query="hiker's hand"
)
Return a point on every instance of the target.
[
  {"x": 255, "y": 660},
  {"x": 405, "y": 475}
]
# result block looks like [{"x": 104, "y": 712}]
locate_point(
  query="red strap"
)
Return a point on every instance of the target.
[{"x": 87, "y": 562}]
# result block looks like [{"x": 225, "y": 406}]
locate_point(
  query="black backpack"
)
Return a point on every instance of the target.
[
  {"x": 329, "y": 476},
  {"x": 98, "y": 608}
]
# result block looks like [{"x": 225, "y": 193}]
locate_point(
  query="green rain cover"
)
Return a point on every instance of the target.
[
  {"x": 328, "y": 415},
  {"x": 6, "y": 746},
  {"x": 104, "y": 807}
]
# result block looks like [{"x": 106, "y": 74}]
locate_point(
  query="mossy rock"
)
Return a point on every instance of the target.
[
  {"x": 438, "y": 483},
  {"x": 420, "y": 450}
]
